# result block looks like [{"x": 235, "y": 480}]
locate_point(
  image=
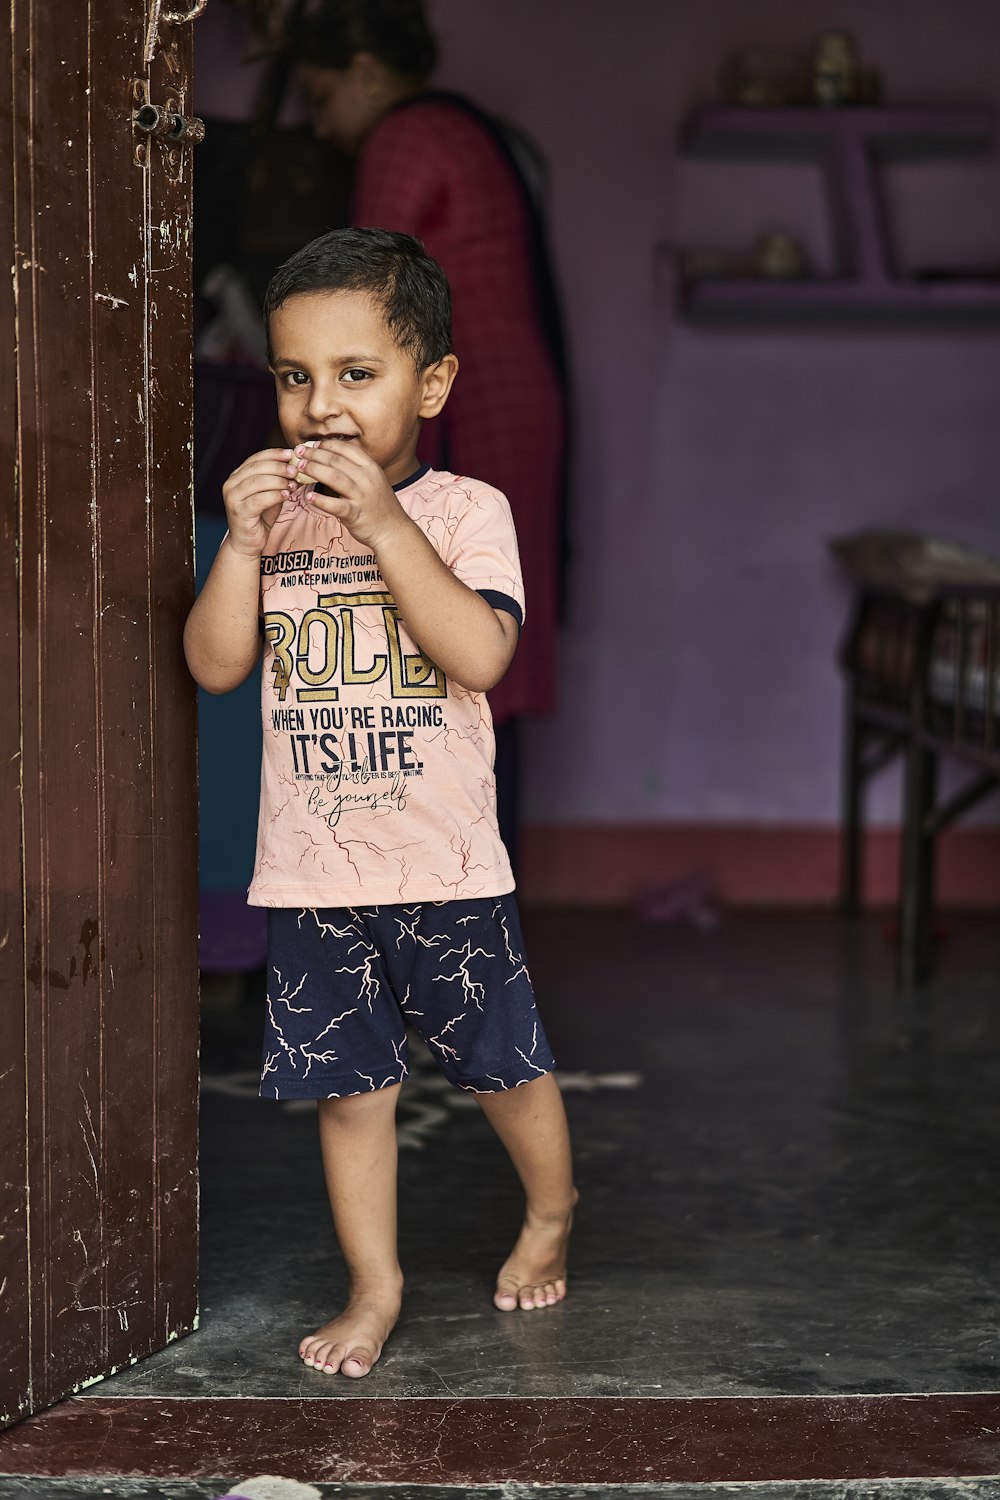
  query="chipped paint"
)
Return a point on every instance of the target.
[{"x": 112, "y": 301}]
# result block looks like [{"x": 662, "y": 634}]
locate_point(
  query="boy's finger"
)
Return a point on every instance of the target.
[
  {"x": 330, "y": 505},
  {"x": 269, "y": 453},
  {"x": 255, "y": 505},
  {"x": 265, "y": 456},
  {"x": 273, "y": 477},
  {"x": 338, "y": 475},
  {"x": 350, "y": 472},
  {"x": 350, "y": 454},
  {"x": 245, "y": 485},
  {"x": 320, "y": 455},
  {"x": 249, "y": 515},
  {"x": 276, "y": 466}
]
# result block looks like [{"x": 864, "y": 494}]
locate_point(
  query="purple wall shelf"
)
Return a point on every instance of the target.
[{"x": 849, "y": 145}]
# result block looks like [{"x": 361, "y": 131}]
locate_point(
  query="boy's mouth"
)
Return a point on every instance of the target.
[{"x": 327, "y": 437}]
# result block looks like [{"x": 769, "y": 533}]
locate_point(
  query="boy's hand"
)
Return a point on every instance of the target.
[
  {"x": 253, "y": 495},
  {"x": 362, "y": 496}
]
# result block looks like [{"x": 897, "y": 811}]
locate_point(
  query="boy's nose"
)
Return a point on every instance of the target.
[{"x": 325, "y": 402}]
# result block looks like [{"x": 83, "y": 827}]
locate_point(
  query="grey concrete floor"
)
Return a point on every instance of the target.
[
  {"x": 788, "y": 1177},
  {"x": 789, "y": 1188}
]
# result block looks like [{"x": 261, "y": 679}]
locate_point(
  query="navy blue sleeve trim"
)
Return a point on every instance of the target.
[{"x": 503, "y": 601}]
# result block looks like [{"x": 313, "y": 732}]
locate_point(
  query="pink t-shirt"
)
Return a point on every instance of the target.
[{"x": 377, "y": 777}]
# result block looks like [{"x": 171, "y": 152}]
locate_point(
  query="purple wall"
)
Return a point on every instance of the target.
[{"x": 698, "y": 664}]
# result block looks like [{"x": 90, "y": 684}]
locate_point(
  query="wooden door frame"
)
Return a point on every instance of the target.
[{"x": 98, "y": 777}]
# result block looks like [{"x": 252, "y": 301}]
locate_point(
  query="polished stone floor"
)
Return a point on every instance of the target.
[{"x": 789, "y": 1186}]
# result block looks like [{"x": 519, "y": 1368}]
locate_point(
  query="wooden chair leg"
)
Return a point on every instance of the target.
[
  {"x": 852, "y": 812},
  {"x": 925, "y": 954},
  {"x": 916, "y": 868}
]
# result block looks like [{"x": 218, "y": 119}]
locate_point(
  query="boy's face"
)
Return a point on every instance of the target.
[{"x": 340, "y": 375}]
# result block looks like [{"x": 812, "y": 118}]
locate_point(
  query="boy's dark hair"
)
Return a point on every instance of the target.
[
  {"x": 393, "y": 269},
  {"x": 395, "y": 31}
]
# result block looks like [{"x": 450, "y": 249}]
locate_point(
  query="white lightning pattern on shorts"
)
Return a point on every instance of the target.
[
  {"x": 298, "y": 1010},
  {"x": 369, "y": 988},
  {"x": 534, "y": 1045},
  {"x": 435, "y": 1041},
  {"x": 471, "y": 988},
  {"x": 515, "y": 958},
  {"x": 285, "y": 1046}
]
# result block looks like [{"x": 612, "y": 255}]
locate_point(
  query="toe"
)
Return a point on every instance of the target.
[
  {"x": 324, "y": 1356},
  {"x": 357, "y": 1363},
  {"x": 505, "y": 1296}
]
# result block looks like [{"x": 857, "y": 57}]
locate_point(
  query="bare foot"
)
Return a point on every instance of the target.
[
  {"x": 534, "y": 1274},
  {"x": 353, "y": 1342}
]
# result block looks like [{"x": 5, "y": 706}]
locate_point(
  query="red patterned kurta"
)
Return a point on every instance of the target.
[{"x": 432, "y": 170}]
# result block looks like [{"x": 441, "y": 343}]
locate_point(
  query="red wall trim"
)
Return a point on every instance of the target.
[{"x": 745, "y": 865}]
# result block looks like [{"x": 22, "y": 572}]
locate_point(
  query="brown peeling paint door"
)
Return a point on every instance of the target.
[{"x": 98, "y": 978}]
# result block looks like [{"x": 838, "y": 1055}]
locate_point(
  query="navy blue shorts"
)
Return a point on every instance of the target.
[{"x": 344, "y": 982}]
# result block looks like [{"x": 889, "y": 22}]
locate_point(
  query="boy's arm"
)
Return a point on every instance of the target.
[
  {"x": 455, "y": 627},
  {"x": 222, "y": 634}
]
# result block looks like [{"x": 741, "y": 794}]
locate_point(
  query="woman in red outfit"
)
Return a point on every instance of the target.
[{"x": 434, "y": 166}]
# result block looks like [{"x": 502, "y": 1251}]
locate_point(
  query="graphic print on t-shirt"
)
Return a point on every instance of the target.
[
  {"x": 354, "y": 744},
  {"x": 377, "y": 777}
]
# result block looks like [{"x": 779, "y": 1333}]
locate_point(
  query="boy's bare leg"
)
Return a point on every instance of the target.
[
  {"x": 531, "y": 1123},
  {"x": 358, "y": 1140}
]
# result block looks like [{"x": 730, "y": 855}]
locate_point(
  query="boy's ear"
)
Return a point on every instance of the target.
[{"x": 436, "y": 382}]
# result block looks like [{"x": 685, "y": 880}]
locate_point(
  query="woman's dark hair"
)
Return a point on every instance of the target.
[
  {"x": 395, "y": 31},
  {"x": 393, "y": 269}
]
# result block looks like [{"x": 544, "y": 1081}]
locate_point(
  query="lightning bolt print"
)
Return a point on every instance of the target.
[
  {"x": 473, "y": 989},
  {"x": 346, "y": 982}
]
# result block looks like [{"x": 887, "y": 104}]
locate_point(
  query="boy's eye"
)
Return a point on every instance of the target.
[
  {"x": 296, "y": 377},
  {"x": 355, "y": 377}
]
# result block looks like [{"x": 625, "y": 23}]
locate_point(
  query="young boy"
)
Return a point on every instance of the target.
[{"x": 391, "y": 600}]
